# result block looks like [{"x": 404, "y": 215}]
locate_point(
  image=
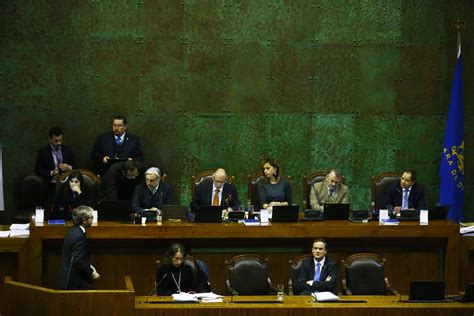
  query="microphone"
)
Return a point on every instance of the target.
[
  {"x": 228, "y": 200},
  {"x": 154, "y": 289},
  {"x": 69, "y": 273},
  {"x": 160, "y": 200}
]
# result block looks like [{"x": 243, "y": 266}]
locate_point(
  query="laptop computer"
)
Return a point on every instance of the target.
[
  {"x": 438, "y": 212},
  {"x": 427, "y": 291},
  {"x": 174, "y": 212},
  {"x": 285, "y": 214},
  {"x": 109, "y": 210},
  {"x": 208, "y": 214},
  {"x": 336, "y": 212},
  {"x": 57, "y": 211}
]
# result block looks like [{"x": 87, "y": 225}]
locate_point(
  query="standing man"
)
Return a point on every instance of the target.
[
  {"x": 406, "y": 194},
  {"x": 76, "y": 271},
  {"x": 119, "y": 181},
  {"x": 329, "y": 191},
  {"x": 152, "y": 194},
  {"x": 217, "y": 192},
  {"x": 116, "y": 145},
  {"x": 317, "y": 274},
  {"x": 53, "y": 160}
]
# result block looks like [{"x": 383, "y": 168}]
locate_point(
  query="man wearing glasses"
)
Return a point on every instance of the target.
[
  {"x": 152, "y": 194},
  {"x": 329, "y": 191}
]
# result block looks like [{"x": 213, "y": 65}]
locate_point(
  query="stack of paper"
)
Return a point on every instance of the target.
[
  {"x": 4, "y": 233},
  {"x": 390, "y": 222},
  {"x": 20, "y": 230},
  {"x": 184, "y": 297},
  {"x": 209, "y": 297},
  {"x": 325, "y": 297},
  {"x": 467, "y": 229}
]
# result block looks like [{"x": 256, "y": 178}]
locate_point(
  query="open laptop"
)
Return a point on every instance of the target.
[
  {"x": 285, "y": 214},
  {"x": 208, "y": 214},
  {"x": 336, "y": 212},
  {"x": 109, "y": 210},
  {"x": 174, "y": 212},
  {"x": 427, "y": 292},
  {"x": 438, "y": 212},
  {"x": 55, "y": 211}
]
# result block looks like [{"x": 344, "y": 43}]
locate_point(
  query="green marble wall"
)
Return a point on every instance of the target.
[{"x": 361, "y": 85}]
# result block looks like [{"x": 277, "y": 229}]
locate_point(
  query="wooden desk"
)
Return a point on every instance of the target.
[
  {"x": 302, "y": 305},
  {"x": 412, "y": 251}
]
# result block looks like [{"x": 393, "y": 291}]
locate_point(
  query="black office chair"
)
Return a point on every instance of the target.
[
  {"x": 247, "y": 275},
  {"x": 31, "y": 192}
]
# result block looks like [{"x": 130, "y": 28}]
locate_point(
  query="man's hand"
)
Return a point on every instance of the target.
[
  {"x": 95, "y": 275},
  {"x": 310, "y": 282},
  {"x": 105, "y": 160},
  {"x": 64, "y": 167}
]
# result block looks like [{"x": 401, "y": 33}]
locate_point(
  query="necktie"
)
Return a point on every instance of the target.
[
  {"x": 318, "y": 272},
  {"x": 118, "y": 141},
  {"x": 405, "y": 199},
  {"x": 215, "y": 200}
]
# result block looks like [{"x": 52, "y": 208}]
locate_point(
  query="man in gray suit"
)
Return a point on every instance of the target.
[{"x": 329, "y": 191}]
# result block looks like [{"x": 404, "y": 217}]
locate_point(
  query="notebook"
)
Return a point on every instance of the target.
[
  {"x": 59, "y": 211},
  {"x": 427, "y": 291},
  {"x": 114, "y": 210},
  {"x": 438, "y": 212},
  {"x": 174, "y": 212},
  {"x": 208, "y": 214},
  {"x": 336, "y": 212},
  {"x": 285, "y": 214}
]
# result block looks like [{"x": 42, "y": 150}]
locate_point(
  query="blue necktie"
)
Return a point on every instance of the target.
[
  {"x": 405, "y": 199},
  {"x": 318, "y": 272},
  {"x": 118, "y": 141}
]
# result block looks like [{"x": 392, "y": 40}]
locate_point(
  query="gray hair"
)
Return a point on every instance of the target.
[
  {"x": 154, "y": 170},
  {"x": 81, "y": 213}
]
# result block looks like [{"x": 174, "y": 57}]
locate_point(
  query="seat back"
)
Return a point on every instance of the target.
[
  {"x": 295, "y": 265},
  {"x": 31, "y": 192},
  {"x": 308, "y": 181},
  {"x": 205, "y": 176},
  {"x": 363, "y": 274},
  {"x": 252, "y": 192},
  {"x": 380, "y": 184},
  {"x": 247, "y": 275}
]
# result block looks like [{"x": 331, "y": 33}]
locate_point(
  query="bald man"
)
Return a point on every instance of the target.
[{"x": 216, "y": 191}]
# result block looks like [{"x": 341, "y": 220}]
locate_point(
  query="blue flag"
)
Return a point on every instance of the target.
[{"x": 451, "y": 171}]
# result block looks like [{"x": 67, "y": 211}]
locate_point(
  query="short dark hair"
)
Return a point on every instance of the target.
[
  {"x": 55, "y": 131},
  {"x": 320, "y": 239},
  {"x": 272, "y": 163},
  {"x": 412, "y": 174},
  {"x": 122, "y": 118},
  {"x": 129, "y": 165},
  {"x": 172, "y": 251}
]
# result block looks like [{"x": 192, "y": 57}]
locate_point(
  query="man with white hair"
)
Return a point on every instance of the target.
[
  {"x": 152, "y": 194},
  {"x": 216, "y": 191}
]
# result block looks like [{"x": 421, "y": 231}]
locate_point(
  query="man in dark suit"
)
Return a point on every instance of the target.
[
  {"x": 116, "y": 145},
  {"x": 217, "y": 192},
  {"x": 53, "y": 160},
  {"x": 152, "y": 194},
  {"x": 120, "y": 180},
  {"x": 317, "y": 274},
  {"x": 406, "y": 194},
  {"x": 76, "y": 271}
]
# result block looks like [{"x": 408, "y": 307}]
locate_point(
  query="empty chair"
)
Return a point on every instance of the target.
[
  {"x": 363, "y": 274},
  {"x": 30, "y": 193},
  {"x": 247, "y": 275}
]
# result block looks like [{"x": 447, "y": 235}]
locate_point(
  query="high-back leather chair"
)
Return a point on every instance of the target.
[
  {"x": 91, "y": 180},
  {"x": 247, "y": 275},
  {"x": 380, "y": 184},
  {"x": 195, "y": 265},
  {"x": 205, "y": 176},
  {"x": 363, "y": 274},
  {"x": 30, "y": 193},
  {"x": 295, "y": 265},
  {"x": 308, "y": 181}
]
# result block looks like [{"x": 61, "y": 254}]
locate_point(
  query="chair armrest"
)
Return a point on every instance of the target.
[
  {"x": 290, "y": 287},
  {"x": 390, "y": 290},
  {"x": 229, "y": 289},
  {"x": 345, "y": 289}
]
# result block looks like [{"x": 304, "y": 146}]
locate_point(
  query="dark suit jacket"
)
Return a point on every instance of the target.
[
  {"x": 45, "y": 163},
  {"x": 105, "y": 146},
  {"x": 143, "y": 199},
  {"x": 306, "y": 273},
  {"x": 75, "y": 272},
  {"x": 203, "y": 195},
  {"x": 416, "y": 199},
  {"x": 115, "y": 186}
]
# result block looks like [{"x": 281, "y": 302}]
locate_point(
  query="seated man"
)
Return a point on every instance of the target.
[
  {"x": 53, "y": 160},
  {"x": 216, "y": 192},
  {"x": 317, "y": 274},
  {"x": 413, "y": 196},
  {"x": 151, "y": 194},
  {"x": 119, "y": 181},
  {"x": 329, "y": 191}
]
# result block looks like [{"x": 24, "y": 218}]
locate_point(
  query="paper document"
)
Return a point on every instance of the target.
[
  {"x": 20, "y": 226},
  {"x": 19, "y": 233},
  {"x": 179, "y": 297},
  {"x": 4, "y": 234},
  {"x": 325, "y": 297}
]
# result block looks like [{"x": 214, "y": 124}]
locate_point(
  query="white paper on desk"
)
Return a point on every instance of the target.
[
  {"x": 208, "y": 295},
  {"x": 423, "y": 217},
  {"x": 39, "y": 215},
  {"x": 383, "y": 214},
  {"x": 184, "y": 297},
  {"x": 325, "y": 296},
  {"x": 466, "y": 230},
  {"x": 263, "y": 216},
  {"x": 4, "y": 233},
  {"x": 20, "y": 226},
  {"x": 214, "y": 300},
  {"x": 20, "y": 233}
]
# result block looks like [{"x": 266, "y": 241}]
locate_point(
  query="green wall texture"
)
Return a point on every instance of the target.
[{"x": 361, "y": 85}]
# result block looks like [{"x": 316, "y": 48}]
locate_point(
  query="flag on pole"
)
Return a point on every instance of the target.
[{"x": 451, "y": 171}]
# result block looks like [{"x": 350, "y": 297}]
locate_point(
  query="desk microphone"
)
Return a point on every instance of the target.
[
  {"x": 228, "y": 199},
  {"x": 154, "y": 288}
]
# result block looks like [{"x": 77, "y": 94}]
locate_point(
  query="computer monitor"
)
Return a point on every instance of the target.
[
  {"x": 285, "y": 214},
  {"x": 337, "y": 212}
]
